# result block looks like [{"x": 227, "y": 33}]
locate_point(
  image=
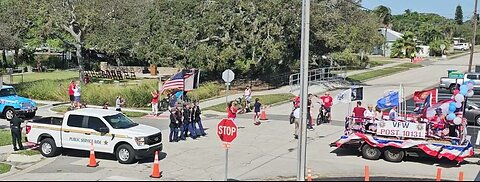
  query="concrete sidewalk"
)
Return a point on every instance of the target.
[{"x": 396, "y": 63}]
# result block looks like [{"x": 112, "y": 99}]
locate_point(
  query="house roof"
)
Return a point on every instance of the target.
[{"x": 392, "y": 35}]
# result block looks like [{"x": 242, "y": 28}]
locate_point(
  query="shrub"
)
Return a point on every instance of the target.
[
  {"x": 349, "y": 59},
  {"x": 205, "y": 91}
]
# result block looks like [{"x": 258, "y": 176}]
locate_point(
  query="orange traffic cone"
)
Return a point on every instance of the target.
[
  {"x": 93, "y": 161},
  {"x": 439, "y": 174},
  {"x": 309, "y": 175},
  {"x": 367, "y": 173},
  {"x": 156, "y": 167},
  {"x": 460, "y": 176},
  {"x": 263, "y": 116}
]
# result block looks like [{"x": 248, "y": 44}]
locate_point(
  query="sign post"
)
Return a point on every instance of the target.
[
  {"x": 227, "y": 132},
  {"x": 228, "y": 77}
]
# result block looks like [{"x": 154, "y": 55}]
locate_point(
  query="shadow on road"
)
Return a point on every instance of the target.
[{"x": 106, "y": 156}]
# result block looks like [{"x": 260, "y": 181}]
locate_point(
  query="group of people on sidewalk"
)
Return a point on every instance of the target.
[
  {"x": 74, "y": 93},
  {"x": 326, "y": 102},
  {"x": 232, "y": 109},
  {"x": 184, "y": 121}
]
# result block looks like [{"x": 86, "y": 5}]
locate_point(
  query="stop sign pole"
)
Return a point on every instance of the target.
[{"x": 227, "y": 131}]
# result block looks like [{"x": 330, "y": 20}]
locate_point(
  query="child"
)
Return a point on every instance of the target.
[{"x": 256, "y": 109}]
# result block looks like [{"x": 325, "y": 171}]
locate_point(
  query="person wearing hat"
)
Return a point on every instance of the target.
[
  {"x": 173, "y": 125},
  {"x": 16, "y": 130}
]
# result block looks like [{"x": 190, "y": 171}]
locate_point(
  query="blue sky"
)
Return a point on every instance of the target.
[{"x": 444, "y": 8}]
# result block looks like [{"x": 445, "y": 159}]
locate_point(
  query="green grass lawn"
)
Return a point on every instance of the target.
[
  {"x": 28, "y": 152},
  {"x": 63, "y": 109},
  {"x": 5, "y": 168},
  {"x": 30, "y": 77},
  {"x": 382, "y": 72},
  {"x": 264, "y": 99},
  {"x": 6, "y": 137}
]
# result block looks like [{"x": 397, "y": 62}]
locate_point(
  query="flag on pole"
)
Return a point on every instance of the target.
[
  {"x": 357, "y": 93},
  {"x": 420, "y": 96},
  {"x": 192, "y": 78},
  {"x": 389, "y": 100},
  {"x": 343, "y": 97},
  {"x": 175, "y": 82}
]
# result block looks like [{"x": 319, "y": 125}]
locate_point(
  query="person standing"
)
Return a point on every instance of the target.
[
  {"x": 154, "y": 102},
  {"x": 196, "y": 112},
  {"x": 77, "y": 94},
  {"x": 172, "y": 101},
  {"x": 248, "y": 98},
  {"x": 309, "y": 113},
  {"x": 256, "y": 109},
  {"x": 119, "y": 103},
  {"x": 232, "y": 110},
  {"x": 173, "y": 126},
  {"x": 358, "y": 112},
  {"x": 70, "y": 93},
  {"x": 16, "y": 131}
]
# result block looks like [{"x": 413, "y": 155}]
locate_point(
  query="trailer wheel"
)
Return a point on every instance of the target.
[
  {"x": 371, "y": 153},
  {"x": 394, "y": 155}
]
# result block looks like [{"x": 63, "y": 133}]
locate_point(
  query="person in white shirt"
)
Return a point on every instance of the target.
[
  {"x": 369, "y": 113},
  {"x": 119, "y": 103},
  {"x": 393, "y": 115},
  {"x": 77, "y": 94},
  {"x": 248, "y": 96}
]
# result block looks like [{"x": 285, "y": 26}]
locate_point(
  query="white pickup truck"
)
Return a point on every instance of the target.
[{"x": 110, "y": 131}]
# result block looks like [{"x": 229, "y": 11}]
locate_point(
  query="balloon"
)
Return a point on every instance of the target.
[
  {"x": 463, "y": 92},
  {"x": 459, "y": 98},
  {"x": 463, "y": 88},
  {"x": 470, "y": 86},
  {"x": 452, "y": 107},
  {"x": 458, "y": 104},
  {"x": 470, "y": 93},
  {"x": 455, "y": 92},
  {"x": 451, "y": 116},
  {"x": 457, "y": 121}
]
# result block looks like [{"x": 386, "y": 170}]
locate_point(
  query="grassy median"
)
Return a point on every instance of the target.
[
  {"x": 382, "y": 72},
  {"x": 264, "y": 99},
  {"x": 6, "y": 137}
]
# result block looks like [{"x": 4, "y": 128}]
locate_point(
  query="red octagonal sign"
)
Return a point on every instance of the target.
[{"x": 227, "y": 130}]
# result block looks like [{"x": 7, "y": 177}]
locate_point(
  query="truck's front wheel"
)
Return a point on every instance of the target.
[
  {"x": 48, "y": 148},
  {"x": 125, "y": 154},
  {"x": 9, "y": 113}
]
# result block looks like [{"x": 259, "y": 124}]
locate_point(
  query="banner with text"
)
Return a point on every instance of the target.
[{"x": 401, "y": 129}]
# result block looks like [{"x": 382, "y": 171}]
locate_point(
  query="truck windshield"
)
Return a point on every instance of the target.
[
  {"x": 120, "y": 121},
  {"x": 7, "y": 92}
]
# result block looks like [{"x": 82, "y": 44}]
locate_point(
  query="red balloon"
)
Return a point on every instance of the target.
[{"x": 455, "y": 92}]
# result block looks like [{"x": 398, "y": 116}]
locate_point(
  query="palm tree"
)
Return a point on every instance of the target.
[
  {"x": 384, "y": 13},
  {"x": 405, "y": 46}
]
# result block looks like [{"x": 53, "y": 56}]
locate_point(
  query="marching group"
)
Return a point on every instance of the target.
[{"x": 184, "y": 119}]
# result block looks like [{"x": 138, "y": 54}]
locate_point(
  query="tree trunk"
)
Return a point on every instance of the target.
[
  {"x": 4, "y": 57},
  {"x": 15, "y": 58},
  {"x": 80, "y": 61}
]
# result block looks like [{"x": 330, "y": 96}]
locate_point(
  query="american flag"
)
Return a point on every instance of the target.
[{"x": 176, "y": 82}]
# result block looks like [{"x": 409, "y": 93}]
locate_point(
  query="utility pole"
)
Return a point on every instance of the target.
[
  {"x": 302, "y": 138},
  {"x": 472, "y": 50}
]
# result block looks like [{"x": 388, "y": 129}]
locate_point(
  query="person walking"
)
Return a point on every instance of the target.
[
  {"x": 154, "y": 102},
  {"x": 187, "y": 122},
  {"x": 172, "y": 101},
  {"x": 70, "y": 93},
  {"x": 173, "y": 126},
  {"x": 16, "y": 131},
  {"x": 119, "y": 103},
  {"x": 256, "y": 108},
  {"x": 248, "y": 98},
  {"x": 196, "y": 112},
  {"x": 232, "y": 110},
  {"x": 77, "y": 94},
  {"x": 180, "y": 122}
]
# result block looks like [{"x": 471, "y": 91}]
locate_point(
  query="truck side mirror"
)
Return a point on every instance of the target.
[{"x": 103, "y": 130}]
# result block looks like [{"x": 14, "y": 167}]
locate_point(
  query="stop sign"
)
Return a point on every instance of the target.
[{"x": 227, "y": 130}]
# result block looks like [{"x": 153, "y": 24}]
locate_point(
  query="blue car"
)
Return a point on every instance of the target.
[{"x": 10, "y": 103}]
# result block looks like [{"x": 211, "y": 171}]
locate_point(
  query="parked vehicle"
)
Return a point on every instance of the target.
[
  {"x": 461, "y": 46},
  {"x": 109, "y": 131},
  {"x": 10, "y": 103},
  {"x": 452, "y": 83},
  {"x": 472, "y": 113}
]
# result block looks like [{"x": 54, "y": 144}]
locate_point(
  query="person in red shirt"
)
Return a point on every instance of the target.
[
  {"x": 71, "y": 92},
  {"x": 155, "y": 96},
  {"x": 358, "y": 112},
  {"x": 327, "y": 102},
  {"x": 232, "y": 110}
]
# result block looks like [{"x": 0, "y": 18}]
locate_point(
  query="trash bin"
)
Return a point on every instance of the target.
[
  {"x": 477, "y": 68},
  {"x": 153, "y": 69}
]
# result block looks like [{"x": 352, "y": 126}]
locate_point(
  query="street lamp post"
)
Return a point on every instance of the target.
[{"x": 302, "y": 139}]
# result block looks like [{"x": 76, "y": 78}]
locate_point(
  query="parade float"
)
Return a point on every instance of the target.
[{"x": 439, "y": 131}]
